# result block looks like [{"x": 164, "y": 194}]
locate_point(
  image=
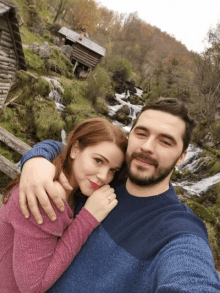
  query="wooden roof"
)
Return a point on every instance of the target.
[
  {"x": 9, "y": 9},
  {"x": 74, "y": 37}
]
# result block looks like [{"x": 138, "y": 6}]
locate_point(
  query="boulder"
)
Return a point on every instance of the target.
[
  {"x": 35, "y": 48},
  {"x": 111, "y": 100},
  {"x": 44, "y": 50},
  {"x": 67, "y": 50},
  {"x": 122, "y": 115},
  {"x": 56, "y": 41}
]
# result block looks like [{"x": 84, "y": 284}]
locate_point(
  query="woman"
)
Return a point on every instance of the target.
[{"x": 32, "y": 256}]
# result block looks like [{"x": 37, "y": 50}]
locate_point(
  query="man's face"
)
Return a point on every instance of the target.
[{"x": 154, "y": 147}]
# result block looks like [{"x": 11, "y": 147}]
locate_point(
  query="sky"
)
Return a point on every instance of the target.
[{"x": 188, "y": 21}]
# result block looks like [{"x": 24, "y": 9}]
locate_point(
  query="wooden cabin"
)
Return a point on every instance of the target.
[
  {"x": 86, "y": 53},
  {"x": 11, "y": 51}
]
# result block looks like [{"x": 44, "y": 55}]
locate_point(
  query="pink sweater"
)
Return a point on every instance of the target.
[{"x": 32, "y": 256}]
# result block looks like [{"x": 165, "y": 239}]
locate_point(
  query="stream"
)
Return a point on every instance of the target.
[{"x": 192, "y": 160}]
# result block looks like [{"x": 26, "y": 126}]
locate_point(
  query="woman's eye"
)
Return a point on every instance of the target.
[{"x": 98, "y": 161}]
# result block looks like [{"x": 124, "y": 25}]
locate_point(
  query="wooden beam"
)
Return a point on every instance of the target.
[
  {"x": 8, "y": 167},
  {"x": 13, "y": 142}
]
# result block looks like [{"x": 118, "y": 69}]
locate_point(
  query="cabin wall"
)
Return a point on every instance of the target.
[
  {"x": 8, "y": 63},
  {"x": 85, "y": 56}
]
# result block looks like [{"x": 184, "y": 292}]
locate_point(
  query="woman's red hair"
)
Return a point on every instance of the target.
[{"x": 87, "y": 133}]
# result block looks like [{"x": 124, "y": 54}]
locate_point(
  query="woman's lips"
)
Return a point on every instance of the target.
[{"x": 94, "y": 185}]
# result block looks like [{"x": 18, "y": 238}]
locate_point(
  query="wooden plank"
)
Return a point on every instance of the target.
[
  {"x": 8, "y": 68},
  {"x": 7, "y": 34},
  {"x": 5, "y": 44},
  {"x": 2, "y": 58},
  {"x": 8, "y": 167},
  {"x": 13, "y": 142},
  {"x": 3, "y": 53},
  {"x": 6, "y": 39},
  {"x": 2, "y": 75},
  {"x": 7, "y": 59}
]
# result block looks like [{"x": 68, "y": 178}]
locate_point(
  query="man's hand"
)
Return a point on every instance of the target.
[{"x": 36, "y": 183}]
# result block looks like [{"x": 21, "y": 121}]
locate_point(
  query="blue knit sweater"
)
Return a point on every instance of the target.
[{"x": 152, "y": 244}]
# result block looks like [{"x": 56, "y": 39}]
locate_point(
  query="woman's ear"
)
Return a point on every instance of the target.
[{"x": 74, "y": 150}]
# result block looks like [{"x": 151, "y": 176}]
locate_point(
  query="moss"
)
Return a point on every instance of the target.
[
  {"x": 47, "y": 121},
  {"x": 179, "y": 190},
  {"x": 33, "y": 61},
  {"x": 9, "y": 153},
  {"x": 101, "y": 106},
  {"x": 75, "y": 114},
  {"x": 213, "y": 240},
  {"x": 59, "y": 63},
  {"x": 42, "y": 87},
  {"x": 215, "y": 168},
  {"x": 4, "y": 180},
  {"x": 202, "y": 212}
]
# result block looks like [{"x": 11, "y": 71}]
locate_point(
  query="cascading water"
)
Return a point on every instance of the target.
[{"x": 192, "y": 161}]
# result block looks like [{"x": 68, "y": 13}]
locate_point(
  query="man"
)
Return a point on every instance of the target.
[{"x": 150, "y": 242}]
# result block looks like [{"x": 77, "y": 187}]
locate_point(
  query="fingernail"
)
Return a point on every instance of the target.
[
  {"x": 40, "y": 222},
  {"x": 26, "y": 216},
  {"x": 61, "y": 209},
  {"x": 53, "y": 218}
]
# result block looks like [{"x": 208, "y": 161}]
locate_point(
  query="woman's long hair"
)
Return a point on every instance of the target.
[{"x": 87, "y": 133}]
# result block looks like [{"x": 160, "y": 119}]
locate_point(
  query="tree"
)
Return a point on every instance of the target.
[{"x": 62, "y": 5}]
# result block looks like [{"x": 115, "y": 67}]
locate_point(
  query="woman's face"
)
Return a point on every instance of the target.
[{"x": 94, "y": 166}]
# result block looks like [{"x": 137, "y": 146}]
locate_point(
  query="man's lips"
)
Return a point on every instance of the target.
[
  {"x": 94, "y": 185},
  {"x": 145, "y": 159}
]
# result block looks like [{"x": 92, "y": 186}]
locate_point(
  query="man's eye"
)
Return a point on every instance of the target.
[
  {"x": 141, "y": 134},
  {"x": 166, "y": 142},
  {"x": 113, "y": 171}
]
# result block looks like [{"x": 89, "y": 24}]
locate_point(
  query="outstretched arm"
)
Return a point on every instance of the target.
[
  {"x": 36, "y": 182},
  {"x": 186, "y": 265}
]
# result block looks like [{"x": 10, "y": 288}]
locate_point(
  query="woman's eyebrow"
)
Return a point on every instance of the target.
[{"x": 104, "y": 158}]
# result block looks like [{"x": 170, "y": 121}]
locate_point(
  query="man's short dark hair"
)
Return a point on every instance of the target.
[{"x": 175, "y": 107}]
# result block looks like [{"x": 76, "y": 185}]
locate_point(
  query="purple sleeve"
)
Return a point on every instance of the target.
[
  {"x": 49, "y": 149},
  {"x": 42, "y": 252}
]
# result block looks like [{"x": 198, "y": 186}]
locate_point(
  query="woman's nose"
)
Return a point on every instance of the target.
[{"x": 103, "y": 175}]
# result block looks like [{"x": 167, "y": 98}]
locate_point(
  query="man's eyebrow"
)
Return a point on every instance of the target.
[
  {"x": 170, "y": 137},
  {"x": 141, "y": 128}
]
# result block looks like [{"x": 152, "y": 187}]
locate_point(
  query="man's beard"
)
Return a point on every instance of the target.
[{"x": 159, "y": 175}]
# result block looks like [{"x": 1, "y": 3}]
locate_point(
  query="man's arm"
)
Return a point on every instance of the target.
[
  {"x": 36, "y": 182},
  {"x": 186, "y": 265}
]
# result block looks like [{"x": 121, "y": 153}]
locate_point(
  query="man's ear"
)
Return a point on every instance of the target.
[
  {"x": 181, "y": 158},
  {"x": 74, "y": 150}
]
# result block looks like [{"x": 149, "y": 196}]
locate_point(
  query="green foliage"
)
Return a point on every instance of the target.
[
  {"x": 99, "y": 84},
  {"x": 120, "y": 64},
  {"x": 42, "y": 87},
  {"x": 202, "y": 212},
  {"x": 179, "y": 190},
  {"x": 33, "y": 61},
  {"x": 9, "y": 153},
  {"x": 59, "y": 64},
  {"x": 75, "y": 113},
  {"x": 101, "y": 106},
  {"x": 47, "y": 121}
]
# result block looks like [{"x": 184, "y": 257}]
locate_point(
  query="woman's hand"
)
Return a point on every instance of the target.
[
  {"x": 36, "y": 183},
  {"x": 101, "y": 202}
]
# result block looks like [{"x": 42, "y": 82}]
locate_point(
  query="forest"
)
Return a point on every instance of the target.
[{"x": 135, "y": 51}]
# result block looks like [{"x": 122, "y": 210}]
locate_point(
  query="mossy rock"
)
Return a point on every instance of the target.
[
  {"x": 101, "y": 106},
  {"x": 136, "y": 100},
  {"x": 75, "y": 114},
  {"x": 213, "y": 240},
  {"x": 48, "y": 122},
  {"x": 179, "y": 190},
  {"x": 202, "y": 212},
  {"x": 59, "y": 63},
  {"x": 33, "y": 61},
  {"x": 42, "y": 87}
]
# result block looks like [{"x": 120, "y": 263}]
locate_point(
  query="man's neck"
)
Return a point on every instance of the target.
[{"x": 146, "y": 191}]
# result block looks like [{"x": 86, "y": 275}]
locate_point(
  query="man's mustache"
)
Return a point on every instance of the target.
[{"x": 144, "y": 158}]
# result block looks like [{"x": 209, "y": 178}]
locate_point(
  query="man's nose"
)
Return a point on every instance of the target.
[{"x": 148, "y": 145}]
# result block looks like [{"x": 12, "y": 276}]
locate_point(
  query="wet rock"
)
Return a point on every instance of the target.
[
  {"x": 136, "y": 100},
  {"x": 122, "y": 115},
  {"x": 110, "y": 99}
]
